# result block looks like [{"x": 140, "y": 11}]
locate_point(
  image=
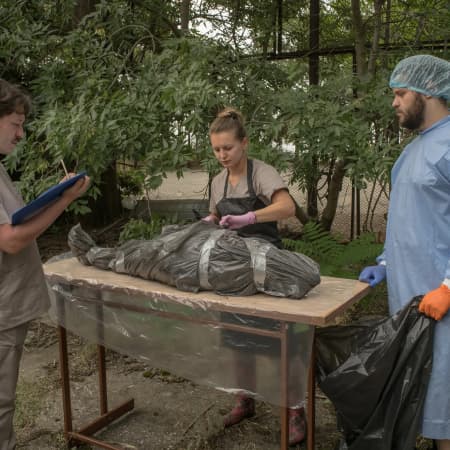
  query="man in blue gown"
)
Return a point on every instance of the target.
[{"x": 416, "y": 256}]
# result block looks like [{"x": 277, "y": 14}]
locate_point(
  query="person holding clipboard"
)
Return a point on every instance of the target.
[{"x": 23, "y": 291}]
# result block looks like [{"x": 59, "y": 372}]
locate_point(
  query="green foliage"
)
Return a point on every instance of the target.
[
  {"x": 140, "y": 229},
  {"x": 130, "y": 182},
  {"x": 328, "y": 123},
  {"x": 335, "y": 258},
  {"x": 315, "y": 243},
  {"x": 124, "y": 83}
]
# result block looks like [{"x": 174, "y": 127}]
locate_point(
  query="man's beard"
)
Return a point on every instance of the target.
[{"x": 414, "y": 117}]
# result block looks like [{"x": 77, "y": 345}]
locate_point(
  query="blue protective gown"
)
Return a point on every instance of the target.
[{"x": 417, "y": 251}]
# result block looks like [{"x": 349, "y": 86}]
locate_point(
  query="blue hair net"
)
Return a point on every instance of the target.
[{"x": 426, "y": 74}]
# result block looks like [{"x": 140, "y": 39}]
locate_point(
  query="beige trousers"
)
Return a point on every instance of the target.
[{"x": 11, "y": 345}]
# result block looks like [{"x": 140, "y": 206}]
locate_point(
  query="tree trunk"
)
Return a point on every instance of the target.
[
  {"x": 185, "y": 13},
  {"x": 365, "y": 70},
  {"x": 300, "y": 213},
  {"x": 279, "y": 33},
  {"x": 312, "y": 197},
  {"x": 314, "y": 32},
  {"x": 314, "y": 24},
  {"x": 82, "y": 8},
  {"x": 360, "y": 39},
  {"x": 334, "y": 189},
  {"x": 376, "y": 37},
  {"x": 387, "y": 31},
  {"x": 107, "y": 206}
]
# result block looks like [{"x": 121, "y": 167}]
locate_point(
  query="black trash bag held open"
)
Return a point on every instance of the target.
[{"x": 376, "y": 375}]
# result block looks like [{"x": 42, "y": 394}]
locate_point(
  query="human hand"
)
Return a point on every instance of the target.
[
  {"x": 373, "y": 275},
  {"x": 209, "y": 219},
  {"x": 78, "y": 189},
  {"x": 66, "y": 177},
  {"x": 436, "y": 303},
  {"x": 235, "y": 222}
]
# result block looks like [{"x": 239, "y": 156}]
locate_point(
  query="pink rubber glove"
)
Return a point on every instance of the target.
[
  {"x": 209, "y": 219},
  {"x": 235, "y": 222},
  {"x": 436, "y": 303}
]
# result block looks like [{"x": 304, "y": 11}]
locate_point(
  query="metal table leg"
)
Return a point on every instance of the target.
[
  {"x": 311, "y": 409},
  {"x": 106, "y": 417},
  {"x": 284, "y": 373}
]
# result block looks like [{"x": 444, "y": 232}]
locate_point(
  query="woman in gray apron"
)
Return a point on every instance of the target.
[{"x": 248, "y": 196}]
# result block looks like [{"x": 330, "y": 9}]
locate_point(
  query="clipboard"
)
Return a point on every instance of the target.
[{"x": 44, "y": 200}]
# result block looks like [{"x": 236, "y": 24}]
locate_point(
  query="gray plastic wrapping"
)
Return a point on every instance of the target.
[
  {"x": 184, "y": 338},
  {"x": 201, "y": 256}
]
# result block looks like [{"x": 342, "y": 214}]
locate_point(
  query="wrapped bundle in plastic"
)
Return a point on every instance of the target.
[{"x": 203, "y": 256}]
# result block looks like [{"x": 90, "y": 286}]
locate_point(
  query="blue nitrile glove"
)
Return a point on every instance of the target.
[{"x": 373, "y": 275}]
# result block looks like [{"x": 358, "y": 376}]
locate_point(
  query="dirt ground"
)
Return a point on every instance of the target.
[{"x": 170, "y": 412}]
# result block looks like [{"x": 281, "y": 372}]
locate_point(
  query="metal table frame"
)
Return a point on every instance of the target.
[{"x": 106, "y": 415}]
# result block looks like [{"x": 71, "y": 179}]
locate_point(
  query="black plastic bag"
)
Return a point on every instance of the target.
[{"x": 376, "y": 375}]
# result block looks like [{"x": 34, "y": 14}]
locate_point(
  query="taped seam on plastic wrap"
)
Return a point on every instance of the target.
[
  {"x": 163, "y": 253},
  {"x": 203, "y": 261},
  {"x": 119, "y": 263},
  {"x": 258, "y": 258}
]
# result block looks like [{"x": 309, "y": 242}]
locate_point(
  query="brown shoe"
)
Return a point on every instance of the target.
[
  {"x": 297, "y": 426},
  {"x": 245, "y": 407}
]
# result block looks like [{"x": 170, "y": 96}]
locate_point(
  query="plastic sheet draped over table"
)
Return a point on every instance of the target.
[
  {"x": 183, "y": 337},
  {"x": 129, "y": 314}
]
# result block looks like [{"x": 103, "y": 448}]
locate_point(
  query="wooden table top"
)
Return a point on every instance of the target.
[{"x": 319, "y": 307}]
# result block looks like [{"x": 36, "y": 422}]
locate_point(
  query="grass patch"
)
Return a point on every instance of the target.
[
  {"x": 373, "y": 304},
  {"x": 29, "y": 398}
]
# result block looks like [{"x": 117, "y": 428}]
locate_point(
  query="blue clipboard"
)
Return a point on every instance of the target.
[{"x": 44, "y": 200}]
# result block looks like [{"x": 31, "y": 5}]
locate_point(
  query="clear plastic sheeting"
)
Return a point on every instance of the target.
[
  {"x": 189, "y": 340},
  {"x": 202, "y": 256}
]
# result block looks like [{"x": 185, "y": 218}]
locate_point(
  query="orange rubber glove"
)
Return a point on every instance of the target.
[{"x": 436, "y": 303}]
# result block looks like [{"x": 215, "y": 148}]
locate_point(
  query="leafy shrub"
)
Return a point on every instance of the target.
[
  {"x": 140, "y": 229},
  {"x": 335, "y": 258}
]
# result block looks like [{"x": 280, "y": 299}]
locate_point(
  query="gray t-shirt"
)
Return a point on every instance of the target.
[
  {"x": 23, "y": 291},
  {"x": 266, "y": 181}
]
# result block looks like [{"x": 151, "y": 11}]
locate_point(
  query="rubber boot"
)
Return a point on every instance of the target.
[
  {"x": 244, "y": 407},
  {"x": 297, "y": 425}
]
